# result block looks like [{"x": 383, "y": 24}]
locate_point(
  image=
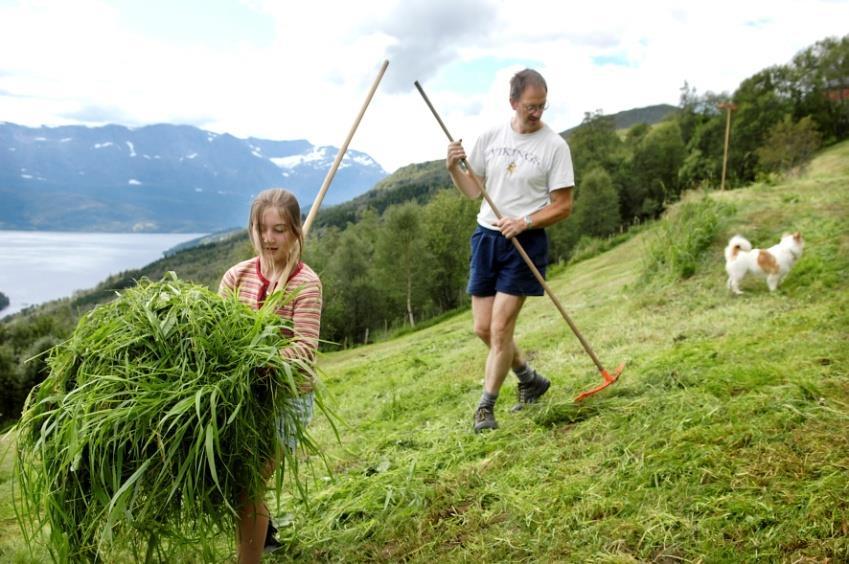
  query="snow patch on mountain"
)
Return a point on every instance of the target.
[{"x": 317, "y": 154}]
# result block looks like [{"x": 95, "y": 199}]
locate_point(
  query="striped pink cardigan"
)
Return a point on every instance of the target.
[{"x": 304, "y": 310}]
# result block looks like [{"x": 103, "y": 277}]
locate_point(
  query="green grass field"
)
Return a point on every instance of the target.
[{"x": 725, "y": 440}]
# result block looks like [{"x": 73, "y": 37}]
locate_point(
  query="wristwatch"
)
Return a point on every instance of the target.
[{"x": 528, "y": 221}]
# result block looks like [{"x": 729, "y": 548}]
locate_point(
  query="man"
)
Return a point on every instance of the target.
[{"x": 526, "y": 169}]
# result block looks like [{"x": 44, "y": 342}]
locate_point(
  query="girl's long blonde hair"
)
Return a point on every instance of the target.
[{"x": 287, "y": 206}]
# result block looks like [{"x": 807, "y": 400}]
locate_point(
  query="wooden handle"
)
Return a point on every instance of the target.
[{"x": 339, "y": 156}]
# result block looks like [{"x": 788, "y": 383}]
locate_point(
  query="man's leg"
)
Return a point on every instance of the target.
[
  {"x": 495, "y": 319},
  {"x": 502, "y": 350},
  {"x": 482, "y": 315}
]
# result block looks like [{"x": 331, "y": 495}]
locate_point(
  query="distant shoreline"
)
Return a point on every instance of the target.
[{"x": 40, "y": 266}]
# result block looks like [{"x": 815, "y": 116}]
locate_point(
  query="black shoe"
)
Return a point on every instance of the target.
[
  {"x": 485, "y": 419},
  {"x": 530, "y": 392},
  {"x": 271, "y": 542}
]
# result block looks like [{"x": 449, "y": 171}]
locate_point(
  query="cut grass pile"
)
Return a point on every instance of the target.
[{"x": 158, "y": 414}]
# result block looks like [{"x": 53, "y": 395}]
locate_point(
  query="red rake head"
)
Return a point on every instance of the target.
[{"x": 608, "y": 380}]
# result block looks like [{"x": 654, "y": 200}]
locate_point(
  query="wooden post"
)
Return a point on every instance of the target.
[{"x": 728, "y": 107}]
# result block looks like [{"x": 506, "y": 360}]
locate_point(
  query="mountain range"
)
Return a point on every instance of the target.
[
  {"x": 179, "y": 178},
  {"x": 157, "y": 178}
]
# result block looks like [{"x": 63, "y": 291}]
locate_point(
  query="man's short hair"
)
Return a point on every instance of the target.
[{"x": 523, "y": 79}]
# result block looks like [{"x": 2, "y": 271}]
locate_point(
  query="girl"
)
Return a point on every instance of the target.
[{"x": 275, "y": 232}]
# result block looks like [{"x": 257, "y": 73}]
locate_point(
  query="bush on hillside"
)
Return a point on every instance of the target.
[
  {"x": 682, "y": 238},
  {"x": 790, "y": 144}
]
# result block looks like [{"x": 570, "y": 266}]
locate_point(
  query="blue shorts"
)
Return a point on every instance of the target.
[
  {"x": 301, "y": 408},
  {"x": 496, "y": 265}
]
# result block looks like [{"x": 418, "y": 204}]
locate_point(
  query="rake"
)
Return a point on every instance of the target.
[{"x": 606, "y": 376}]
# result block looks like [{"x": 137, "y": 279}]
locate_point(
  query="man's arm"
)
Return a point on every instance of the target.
[
  {"x": 462, "y": 179},
  {"x": 557, "y": 210}
]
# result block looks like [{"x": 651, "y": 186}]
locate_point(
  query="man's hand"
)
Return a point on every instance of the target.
[
  {"x": 511, "y": 227},
  {"x": 461, "y": 177},
  {"x": 456, "y": 153}
]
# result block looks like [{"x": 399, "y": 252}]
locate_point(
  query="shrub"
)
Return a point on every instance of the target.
[
  {"x": 789, "y": 145},
  {"x": 682, "y": 239}
]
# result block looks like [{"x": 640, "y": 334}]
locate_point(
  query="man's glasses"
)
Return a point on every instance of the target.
[{"x": 531, "y": 108}]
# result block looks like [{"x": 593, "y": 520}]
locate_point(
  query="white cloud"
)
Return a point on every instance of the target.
[{"x": 79, "y": 62}]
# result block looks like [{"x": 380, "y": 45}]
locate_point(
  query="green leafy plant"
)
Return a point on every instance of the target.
[{"x": 156, "y": 419}]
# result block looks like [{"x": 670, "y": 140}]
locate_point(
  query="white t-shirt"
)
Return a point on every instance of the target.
[{"x": 520, "y": 170}]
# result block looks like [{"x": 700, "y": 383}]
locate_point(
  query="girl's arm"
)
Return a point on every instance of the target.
[{"x": 306, "y": 323}]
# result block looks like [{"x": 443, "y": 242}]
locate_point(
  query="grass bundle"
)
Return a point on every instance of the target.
[{"x": 157, "y": 417}]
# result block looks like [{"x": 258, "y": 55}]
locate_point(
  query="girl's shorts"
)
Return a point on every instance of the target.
[{"x": 302, "y": 409}]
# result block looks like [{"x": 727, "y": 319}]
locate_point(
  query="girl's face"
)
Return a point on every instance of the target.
[{"x": 275, "y": 235}]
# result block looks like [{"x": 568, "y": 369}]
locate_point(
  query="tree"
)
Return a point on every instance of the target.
[
  {"x": 819, "y": 85},
  {"x": 595, "y": 144},
  {"x": 595, "y": 213},
  {"x": 447, "y": 223},
  {"x": 636, "y": 134},
  {"x": 789, "y": 145},
  {"x": 702, "y": 127},
  {"x": 352, "y": 298},
  {"x": 597, "y": 210},
  {"x": 761, "y": 102},
  {"x": 654, "y": 171},
  {"x": 399, "y": 249},
  {"x": 10, "y": 407}
]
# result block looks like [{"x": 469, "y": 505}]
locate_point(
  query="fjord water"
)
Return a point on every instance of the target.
[{"x": 39, "y": 266}]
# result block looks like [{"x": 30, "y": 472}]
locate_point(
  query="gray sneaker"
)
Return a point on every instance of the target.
[
  {"x": 485, "y": 419},
  {"x": 531, "y": 392}
]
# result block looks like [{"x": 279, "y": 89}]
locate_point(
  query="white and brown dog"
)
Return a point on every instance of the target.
[{"x": 774, "y": 262}]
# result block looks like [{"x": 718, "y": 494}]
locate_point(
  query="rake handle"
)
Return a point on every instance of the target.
[
  {"x": 534, "y": 270},
  {"x": 341, "y": 154}
]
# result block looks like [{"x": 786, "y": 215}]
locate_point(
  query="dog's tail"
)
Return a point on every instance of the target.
[{"x": 735, "y": 245}]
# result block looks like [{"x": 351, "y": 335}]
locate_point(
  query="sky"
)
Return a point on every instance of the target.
[{"x": 301, "y": 69}]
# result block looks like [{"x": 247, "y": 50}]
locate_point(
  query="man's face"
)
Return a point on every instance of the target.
[{"x": 529, "y": 108}]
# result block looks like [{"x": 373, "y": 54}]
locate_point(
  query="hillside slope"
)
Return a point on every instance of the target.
[
  {"x": 725, "y": 440},
  {"x": 416, "y": 182},
  {"x": 625, "y": 119}
]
